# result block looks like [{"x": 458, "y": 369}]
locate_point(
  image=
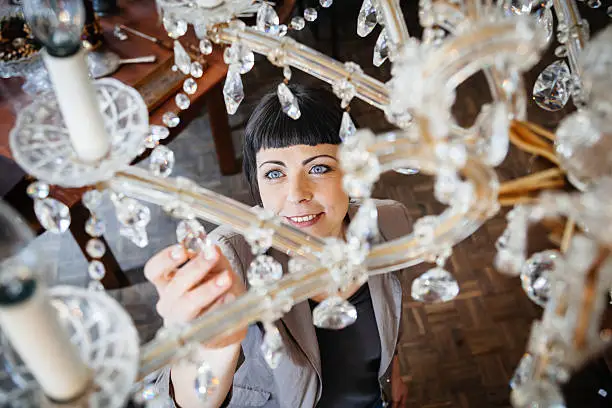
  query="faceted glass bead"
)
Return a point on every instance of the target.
[
  {"x": 96, "y": 270},
  {"x": 288, "y": 102},
  {"x": 381, "y": 50},
  {"x": 347, "y": 127},
  {"x": 52, "y": 214},
  {"x": 537, "y": 276},
  {"x": 594, "y": 3},
  {"x": 326, "y": 3},
  {"x": 175, "y": 28},
  {"x": 367, "y": 18},
  {"x": 161, "y": 162},
  {"x": 551, "y": 89},
  {"x": 95, "y": 286},
  {"x": 92, "y": 199},
  {"x": 159, "y": 132},
  {"x": 310, "y": 14},
  {"x": 264, "y": 270},
  {"x": 182, "y": 101},
  {"x": 239, "y": 56},
  {"x": 132, "y": 213},
  {"x": 267, "y": 19},
  {"x": 272, "y": 346},
  {"x": 434, "y": 286},
  {"x": 334, "y": 313},
  {"x": 298, "y": 23},
  {"x": 170, "y": 119},
  {"x": 561, "y": 51},
  {"x": 233, "y": 91},
  {"x": 95, "y": 248},
  {"x": 190, "y": 86},
  {"x": 38, "y": 189},
  {"x": 181, "y": 58},
  {"x": 196, "y": 70},
  {"x": 192, "y": 236},
  {"x": 138, "y": 235},
  {"x": 282, "y": 30},
  {"x": 205, "y": 381},
  {"x": 206, "y": 46},
  {"x": 95, "y": 227}
]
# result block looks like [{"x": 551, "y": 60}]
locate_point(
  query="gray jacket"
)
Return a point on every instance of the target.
[{"x": 296, "y": 382}]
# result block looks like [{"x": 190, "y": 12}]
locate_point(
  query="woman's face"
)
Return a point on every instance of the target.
[{"x": 304, "y": 184}]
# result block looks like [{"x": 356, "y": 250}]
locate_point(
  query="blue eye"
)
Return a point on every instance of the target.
[
  {"x": 319, "y": 169},
  {"x": 274, "y": 174}
]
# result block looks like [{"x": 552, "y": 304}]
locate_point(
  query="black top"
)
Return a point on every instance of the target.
[{"x": 350, "y": 358}]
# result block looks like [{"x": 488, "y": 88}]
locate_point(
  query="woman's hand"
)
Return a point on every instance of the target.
[
  {"x": 191, "y": 286},
  {"x": 399, "y": 390}
]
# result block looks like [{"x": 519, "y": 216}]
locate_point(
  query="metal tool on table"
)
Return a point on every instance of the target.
[
  {"x": 104, "y": 62},
  {"x": 192, "y": 50}
]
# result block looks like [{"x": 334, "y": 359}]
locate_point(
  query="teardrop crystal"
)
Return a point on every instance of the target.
[
  {"x": 233, "y": 92},
  {"x": 544, "y": 19},
  {"x": 267, "y": 19},
  {"x": 537, "y": 275},
  {"x": 138, "y": 235},
  {"x": 52, "y": 214},
  {"x": 334, "y": 313},
  {"x": 239, "y": 56},
  {"x": 272, "y": 346},
  {"x": 347, "y": 127},
  {"x": 181, "y": 58},
  {"x": 551, "y": 89},
  {"x": 367, "y": 18},
  {"x": 288, "y": 102},
  {"x": 381, "y": 50},
  {"x": 191, "y": 235},
  {"x": 434, "y": 286},
  {"x": 161, "y": 161}
]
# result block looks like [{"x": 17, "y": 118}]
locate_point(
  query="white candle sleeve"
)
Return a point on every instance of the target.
[
  {"x": 78, "y": 103},
  {"x": 33, "y": 329}
]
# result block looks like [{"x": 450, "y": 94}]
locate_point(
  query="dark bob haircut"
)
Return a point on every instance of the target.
[{"x": 269, "y": 127}]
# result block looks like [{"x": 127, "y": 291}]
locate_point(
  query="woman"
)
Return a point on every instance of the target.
[{"x": 293, "y": 170}]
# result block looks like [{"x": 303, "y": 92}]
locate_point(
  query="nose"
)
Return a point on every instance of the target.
[{"x": 299, "y": 190}]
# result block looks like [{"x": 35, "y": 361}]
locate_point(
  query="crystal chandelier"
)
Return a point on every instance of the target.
[{"x": 460, "y": 38}]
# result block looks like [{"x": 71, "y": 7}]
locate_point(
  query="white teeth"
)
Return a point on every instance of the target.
[{"x": 302, "y": 219}]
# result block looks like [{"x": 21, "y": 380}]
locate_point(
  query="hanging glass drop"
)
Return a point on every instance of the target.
[
  {"x": 233, "y": 92},
  {"x": 367, "y": 18},
  {"x": 334, "y": 313},
  {"x": 288, "y": 102},
  {"x": 381, "y": 50},
  {"x": 52, "y": 214},
  {"x": 347, "y": 127},
  {"x": 181, "y": 58},
  {"x": 267, "y": 19}
]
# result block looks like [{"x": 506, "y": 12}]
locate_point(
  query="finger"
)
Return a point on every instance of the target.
[
  {"x": 209, "y": 295},
  {"x": 161, "y": 265},
  {"x": 191, "y": 274}
]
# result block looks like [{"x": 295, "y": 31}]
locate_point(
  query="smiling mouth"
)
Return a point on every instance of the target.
[{"x": 304, "y": 220}]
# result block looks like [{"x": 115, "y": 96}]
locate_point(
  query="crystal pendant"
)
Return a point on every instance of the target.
[
  {"x": 161, "y": 161},
  {"x": 381, "y": 50},
  {"x": 364, "y": 226},
  {"x": 196, "y": 69},
  {"x": 263, "y": 271},
  {"x": 238, "y": 55},
  {"x": 518, "y": 7},
  {"x": 96, "y": 270},
  {"x": 544, "y": 18},
  {"x": 347, "y": 127},
  {"x": 367, "y": 18},
  {"x": 159, "y": 132},
  {"x": 310, "y": 14},
  {"x": 181, "y": 58},
  {"x": 52, "y": 214},
  {"x": 288, "y": 102},
  {"x": 537, "y": 276},
  {"x": 267, "y": 19},
  {"x": 298, "y": 23},
  {"x": 523, "y": 372},
  {"x": 182, "y": 101},
  {"x": 92, "y": 199},
  {"x": 540, "y": 393},
  {"x": 287, "y": 72},
  {"x": 175, "y": 28},
  {"x": 38, "y": 189},
  {"x": 326, "y": 3},
  {"x": 192, "y": 236},
  {"x": 190, "y": 86},
  {"x": 492, "y": 126},
  {"x": 551, "y": 89},
  {"x": 434, "y": 286},
  {"x": 205, "y": 381},
  {"x": 334, "y": 313},
  {"x": 206, "y": 46},
  {"x": 282, "y": 30},
  {"x": 260, "y": 239},
  {"x": 95, "y": 248},
  {"x": 138, "y": 235},
  {"x": 272, "y": 346},
  {"x": 95, "y": 227},
  {"x": 233, "y": 92},
  {"x": 170, "y": 119},
  {"x": 132, "y": 213}
]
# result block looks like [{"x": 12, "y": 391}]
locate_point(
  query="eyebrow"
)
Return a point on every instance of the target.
[{"x": 305, "y": 162}]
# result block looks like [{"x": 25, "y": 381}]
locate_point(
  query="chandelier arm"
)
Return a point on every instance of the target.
[
  {"x": 567, "y": 12},
  {"x": 397, "y": 30},
  {"x": 306, "y": 59}
]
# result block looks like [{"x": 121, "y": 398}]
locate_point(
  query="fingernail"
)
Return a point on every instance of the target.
[
  {"x": 177, "y": 253},
  {"x": 223, "y": 280}
]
